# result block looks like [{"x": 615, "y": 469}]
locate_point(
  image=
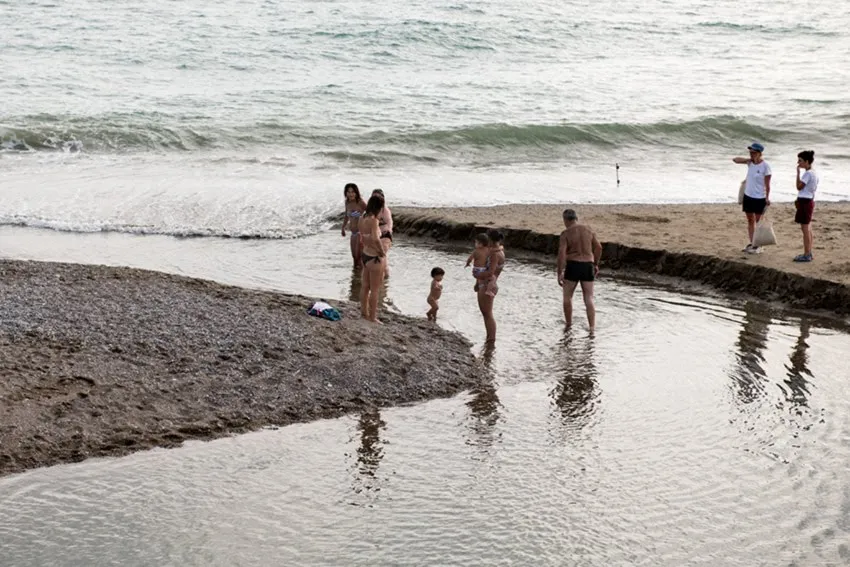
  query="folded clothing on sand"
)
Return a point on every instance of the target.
[{"x": 325, "y": 311}]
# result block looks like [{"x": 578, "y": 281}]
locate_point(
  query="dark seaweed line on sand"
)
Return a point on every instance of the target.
[{"x": 726, "y": 275}]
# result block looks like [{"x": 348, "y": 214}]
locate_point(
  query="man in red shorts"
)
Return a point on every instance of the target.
[{"x": 578, "y": 263}]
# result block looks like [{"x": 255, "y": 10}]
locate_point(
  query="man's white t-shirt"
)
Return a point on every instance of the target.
[
  {"x": 810, "y": 178},
  {"x": 756, "y": 172}
]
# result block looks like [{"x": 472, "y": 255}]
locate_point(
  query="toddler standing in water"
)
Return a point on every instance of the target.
[
  {"x": 479, "y": 256},
  {"x": 436, "y": 291}
]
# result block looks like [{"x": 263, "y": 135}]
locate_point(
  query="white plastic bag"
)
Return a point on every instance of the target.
[
  {"x": 764, "y": 235},
  {"x": 741, "y": 190}
]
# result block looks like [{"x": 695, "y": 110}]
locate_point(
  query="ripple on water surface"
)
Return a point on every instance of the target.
[{"x": 688, "y": 430}]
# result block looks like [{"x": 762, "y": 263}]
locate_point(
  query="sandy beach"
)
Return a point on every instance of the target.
[
  {"x": 708, "y": 229},
  {"x": 702, "y": 243},
  {"x": 100, "y": 361}
]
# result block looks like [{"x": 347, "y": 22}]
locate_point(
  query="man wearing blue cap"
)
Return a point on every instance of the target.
[{"x": 757, "y": 190}]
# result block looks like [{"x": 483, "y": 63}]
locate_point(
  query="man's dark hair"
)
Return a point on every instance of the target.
[
  {"x": 482, "y": 238},
  {"x": 437, "y": 272},
  {"x": 570, "y": 214},
  {"x": 808, "y": 156}
]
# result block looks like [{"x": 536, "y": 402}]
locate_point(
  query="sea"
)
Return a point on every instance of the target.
[
  {"x": 246, "y": 118},
  {"x": 213, "y": 140}
]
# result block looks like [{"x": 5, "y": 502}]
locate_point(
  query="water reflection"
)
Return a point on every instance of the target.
[
  {"x": 796, "y": 385},
  {"x": 484, "y": 404},
  {"x": 576, "y": 392},
  {"x": 355, "y": 285},
  {"x": 369, "y": 452},
  {"x": 748, "y": 375}
]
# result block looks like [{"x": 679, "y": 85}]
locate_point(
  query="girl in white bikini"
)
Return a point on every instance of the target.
[{"x": 354, "y": 208}]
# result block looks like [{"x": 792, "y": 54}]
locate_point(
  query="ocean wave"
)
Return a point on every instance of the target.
[
  {"x": 707, "y": 130},
  {"x": 376, "y": 158},
  {"x": 146, "y": 132},
  {"x": 84, "y": 227},
  {"x": 824, "y": 101},
  {"x": 114, "y": 132},
  {"x": 760, "y": 28}
]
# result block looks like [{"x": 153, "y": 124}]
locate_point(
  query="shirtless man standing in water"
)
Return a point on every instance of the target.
[{"x": 578, "y": 263}]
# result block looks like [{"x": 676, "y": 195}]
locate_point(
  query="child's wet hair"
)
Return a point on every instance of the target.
[
  {"x": 495, "y": 236},
  {"x": 437, "y": 272},
  {"x": 482, "y": 238}
]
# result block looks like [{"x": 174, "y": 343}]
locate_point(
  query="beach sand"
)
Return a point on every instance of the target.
[
  {"x": 717, "y": 230},
  {"x": 99, "y": 361}
]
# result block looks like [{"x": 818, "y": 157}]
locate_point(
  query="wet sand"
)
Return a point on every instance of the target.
[
  {"x": 701, "y": 242},
  {"x": 100, "y": 361}
]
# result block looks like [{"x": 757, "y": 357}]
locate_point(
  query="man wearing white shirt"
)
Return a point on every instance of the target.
[
  {"x": 807, "y": 184},
  {"x": 757, "y": 191}
]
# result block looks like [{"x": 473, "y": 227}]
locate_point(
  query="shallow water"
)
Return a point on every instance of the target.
[{"x": 690, "y": 429}]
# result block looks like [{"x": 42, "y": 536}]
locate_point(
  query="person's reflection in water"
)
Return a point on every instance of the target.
[
  {"x": 576, "y": 392},
  {"x": 484, "y": 403},
  {"x": 369, "y": 452},
  {"x": 354, "y": 288},
  {"x": 383, "y": 299},
  {"x": 749, "y": 375},
  {"x": 796, "y": 387}
]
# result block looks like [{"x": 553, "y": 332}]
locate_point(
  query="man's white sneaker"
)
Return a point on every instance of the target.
[{"x": 754, "y": 250}]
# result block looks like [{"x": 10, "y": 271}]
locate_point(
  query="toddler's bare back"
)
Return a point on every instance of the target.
[{"x": 479, "y": 257}]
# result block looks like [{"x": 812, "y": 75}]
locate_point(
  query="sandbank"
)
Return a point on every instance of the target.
[
  {"x": 701, "y": 242},
  {"x": 101, "y": 361}
]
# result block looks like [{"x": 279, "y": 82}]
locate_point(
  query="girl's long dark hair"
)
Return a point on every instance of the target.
[
  {"x": 357, "y": 197},
  {"x": 375, "y": 205}
]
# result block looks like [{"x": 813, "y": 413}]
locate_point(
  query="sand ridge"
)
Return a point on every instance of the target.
[
  {"x": 717, "y": 230},
  {"x": 101, "y": 361}
]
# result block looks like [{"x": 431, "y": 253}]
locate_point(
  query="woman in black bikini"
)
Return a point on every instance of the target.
[
  {"x": 385, "y": 225},
  {"x": 354, "y": 208},
  {"x": 374, "y": 259}
]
